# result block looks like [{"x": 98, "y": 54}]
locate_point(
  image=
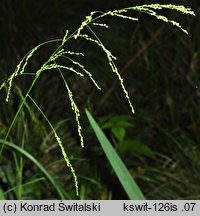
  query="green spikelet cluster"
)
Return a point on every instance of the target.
[
  {"x": 100, "y": 24},
  {"x": 87, "y": 72},
  {"x": 65, "y": 38},
  {"x": 2, "y": 85},
  {"x": 66, "y": 158},
  {"x": 19, "y": 70},
  {"x": 67, "y": 162},
  {"x": 152, "y": 10},
  {"x": 56, "y": 66},
  {"x": 114, "y": 69},
  {"x": 75, "y": 109}
]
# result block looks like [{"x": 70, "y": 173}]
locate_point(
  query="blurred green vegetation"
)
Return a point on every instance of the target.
[{"x": 159, "y": 143}]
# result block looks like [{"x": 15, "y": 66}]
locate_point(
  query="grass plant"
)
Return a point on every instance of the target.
[{"x": 64, "y": 60}]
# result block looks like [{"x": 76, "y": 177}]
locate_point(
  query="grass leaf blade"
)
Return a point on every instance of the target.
[
  {"x": 2, "y": 197},
  {"x": 36, "y": 162},
  {"x": 129, "y": 185}
]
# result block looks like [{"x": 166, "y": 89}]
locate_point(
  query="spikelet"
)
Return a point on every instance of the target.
[
  {"x": 151, "y": 10},
  {"x": 58, "y": 54},
  {"x": 165, "y": 19},
  {"x": 87, "y": 20},
  {"x": 86, "y": 71},
  {"x": 111, "y": 59},
  {"x": 27, "y": 59},
  {"x": 99, "y": 44},
  {"x": 119, "y": 13},
  {"x": 65, "y": 38},
  {"x": 19, "y": 71},
  {"x": 100, "y": 24},
  {"x": 114, "y": 69},
  {"x": 179, "y": 8},
  {"x": 54, "y": 66},
  {"x": 10, "y": 79},
  {"x": 62, "y": 52},
  {"x": 126, "y": 17},
  {"x": 2, "y": 85},
  {"x": 76, "y": 111},
  {"x": 66, "y": 158},
  {"x": 73, "y": 53}
]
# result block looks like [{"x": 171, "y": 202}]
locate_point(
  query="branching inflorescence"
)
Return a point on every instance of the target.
[{"x": 84, "y": 32}]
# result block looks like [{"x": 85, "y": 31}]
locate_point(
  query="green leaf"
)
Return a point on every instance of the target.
[
  {"x": 2, "y": 197},
  {"x": 119, "y": 133},
  {"x": 107, "y": 125},
  {"x": 110, "y": 121},
  {"x": 129, "y": 185},
  {"x": 134, "y": 145}
]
